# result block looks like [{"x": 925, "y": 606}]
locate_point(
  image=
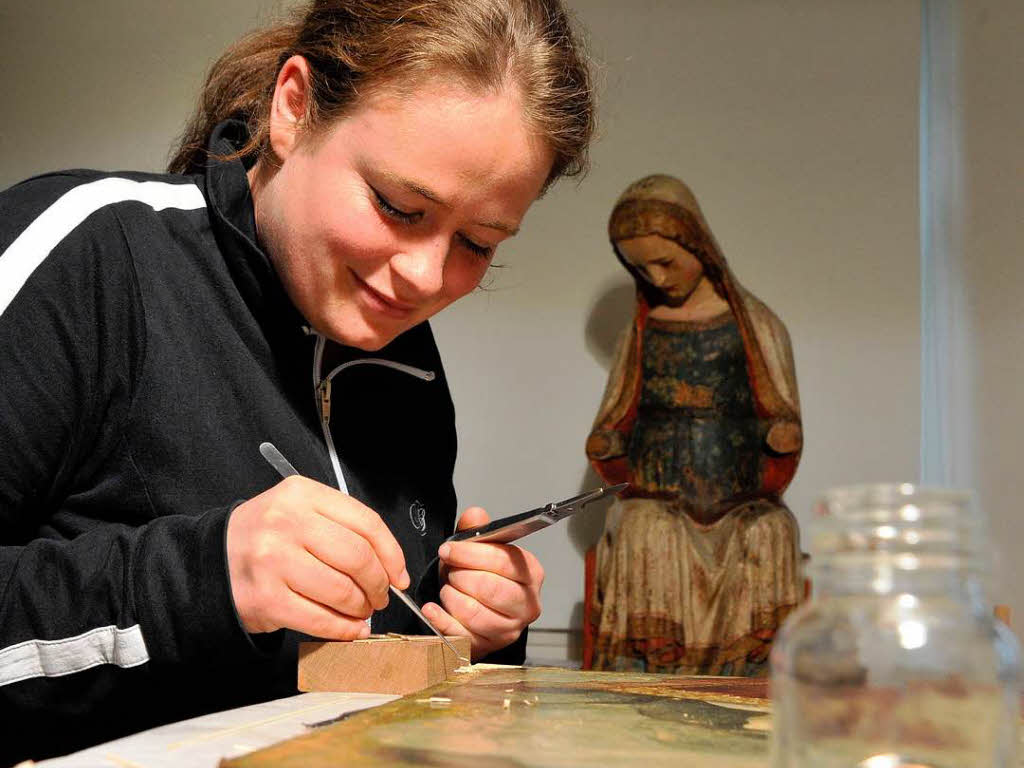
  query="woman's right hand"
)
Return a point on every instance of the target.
[{"x": 307, "y": 557}]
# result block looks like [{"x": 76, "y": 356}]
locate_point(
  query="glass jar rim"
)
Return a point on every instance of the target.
[
  {"x": 903, "y": 524},
  {"x": 861, "y": 494}
]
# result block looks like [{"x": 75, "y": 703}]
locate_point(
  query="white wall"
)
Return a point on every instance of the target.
[
  {"x": 106, "y": 84},
  {"x": 794, "y": 121},
  {"x": 993, "y": 267}
]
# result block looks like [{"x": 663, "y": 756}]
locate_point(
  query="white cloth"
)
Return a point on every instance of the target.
[{"x": 204, "y": 741}]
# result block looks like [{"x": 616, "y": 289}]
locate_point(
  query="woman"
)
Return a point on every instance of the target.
[
  {"x": 699, "y": 563},
  {"x": 346, "y": 176}
]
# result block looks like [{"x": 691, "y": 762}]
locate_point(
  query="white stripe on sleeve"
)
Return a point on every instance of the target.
[
  {"x": 36, "y": 242},
  {"x": 54, "y": 658}
]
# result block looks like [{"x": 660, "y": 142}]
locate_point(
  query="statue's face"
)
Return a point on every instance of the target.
[{"x": 663, "y": 263}]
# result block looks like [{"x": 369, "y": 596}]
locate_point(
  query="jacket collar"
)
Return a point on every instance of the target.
[{"x": 232, "y": 217}]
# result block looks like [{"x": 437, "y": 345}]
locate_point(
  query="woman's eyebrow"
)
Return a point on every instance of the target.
[{"x": 420, "y": 189}]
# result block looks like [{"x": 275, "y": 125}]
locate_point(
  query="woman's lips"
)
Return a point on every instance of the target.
[{"x": 381, "y": 302}]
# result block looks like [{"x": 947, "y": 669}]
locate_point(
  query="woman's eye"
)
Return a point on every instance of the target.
[
  {"x": 395, "y": 213},
  {"x": 483, "y": 251}
]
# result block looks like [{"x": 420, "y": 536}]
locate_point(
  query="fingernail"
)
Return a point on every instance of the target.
[
  {"x": 364, "y": 632},
  {"x": 444, "y": 550},
  {"x": 403, "y": 579}
]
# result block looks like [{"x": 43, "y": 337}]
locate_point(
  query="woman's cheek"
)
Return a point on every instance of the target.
[{"x": 357, "y": 245}]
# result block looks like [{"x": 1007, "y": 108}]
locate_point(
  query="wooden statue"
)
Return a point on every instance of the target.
[{"x": 699, "y": 562}]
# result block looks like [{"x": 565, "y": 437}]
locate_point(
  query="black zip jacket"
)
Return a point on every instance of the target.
[{"x": 147, "y": 348}]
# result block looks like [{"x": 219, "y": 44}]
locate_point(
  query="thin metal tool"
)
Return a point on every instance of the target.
[
  {"x": 512, "y": 528},
  {"x": 416, "y": 609},
  {"x": 284, "y": 468},
  {"x": 277, "y": 460}
]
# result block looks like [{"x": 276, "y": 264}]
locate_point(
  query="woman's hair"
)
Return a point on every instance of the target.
[{"x": 356, "y": 46}]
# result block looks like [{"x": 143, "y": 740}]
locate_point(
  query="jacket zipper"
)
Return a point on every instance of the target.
[
  {"x": 322, "y": 393},
  {"x": 322, "y": 390}
]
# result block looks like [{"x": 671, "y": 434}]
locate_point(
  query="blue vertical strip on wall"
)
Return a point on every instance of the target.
[{"x": 946, "y": 359}]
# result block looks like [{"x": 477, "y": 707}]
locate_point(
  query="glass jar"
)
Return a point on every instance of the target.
[{"x": 896, "y": 661}]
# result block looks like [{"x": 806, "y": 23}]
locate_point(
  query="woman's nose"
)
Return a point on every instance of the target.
[{"x": 420, "y": 268}]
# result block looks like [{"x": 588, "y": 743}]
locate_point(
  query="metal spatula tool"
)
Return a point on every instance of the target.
[{"x": 284, "y": 468}]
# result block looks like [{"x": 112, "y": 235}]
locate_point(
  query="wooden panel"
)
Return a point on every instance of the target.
[
  {"x": 379, "y": 664},
  {"x": 535, "y": 717}
]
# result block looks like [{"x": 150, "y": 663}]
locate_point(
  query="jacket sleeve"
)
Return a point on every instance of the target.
[
  {"x": 115, "y": 596},
  {"x": 514, "y": 653}
]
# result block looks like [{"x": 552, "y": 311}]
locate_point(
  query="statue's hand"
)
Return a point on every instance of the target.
[
  {"x": 605, "y": 444},
  {"x": 785, "y": 437}
]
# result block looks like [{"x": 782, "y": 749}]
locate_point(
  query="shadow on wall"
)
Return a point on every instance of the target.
[
  {"x": 609, "y": 315},
  {"x": 585, "y": 528}
]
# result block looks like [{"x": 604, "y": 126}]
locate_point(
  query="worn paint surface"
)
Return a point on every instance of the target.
[
  {"x": 696, "y": 434},
  {"x": 532, "y": 717},
  {"x": 699, "y": 562}
]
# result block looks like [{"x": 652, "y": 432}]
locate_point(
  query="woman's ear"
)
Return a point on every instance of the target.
[{"x": 289, "y": 107}]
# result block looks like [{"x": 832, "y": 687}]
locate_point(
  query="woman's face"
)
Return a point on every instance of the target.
[
  {"x": 393, "y": 212},
  {"x": 664, "y": 264}
]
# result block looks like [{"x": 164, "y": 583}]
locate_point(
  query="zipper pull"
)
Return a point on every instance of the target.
[{"x": 325, "y": 401}]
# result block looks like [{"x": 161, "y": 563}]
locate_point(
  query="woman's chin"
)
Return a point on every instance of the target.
[{"x": 358, "y": 333}]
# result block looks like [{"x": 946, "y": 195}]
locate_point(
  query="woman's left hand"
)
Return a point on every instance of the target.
[{"x": 489, "y": 592}]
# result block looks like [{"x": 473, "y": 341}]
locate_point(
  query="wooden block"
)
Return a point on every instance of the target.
[{"x": 379, "y": 664}]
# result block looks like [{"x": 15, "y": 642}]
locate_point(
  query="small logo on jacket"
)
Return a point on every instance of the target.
[{"x": 418, "y": 515}]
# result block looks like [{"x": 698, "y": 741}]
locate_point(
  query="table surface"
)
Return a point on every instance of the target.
[
  {"x": 205, "y": 741},
  {"x": 510, "y": 717}
]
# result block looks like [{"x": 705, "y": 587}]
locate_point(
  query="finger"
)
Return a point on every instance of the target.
[
  {"x": 506, "y": 560},
  {"x": 444, "y": 621},
  {"x": 348, "y": 552},
  {"x": 478, "y": 618},
  {"x": 507, "y": 597},
  {"x": 362, "y": 520},
  {"x": 354, "y": 515},
  {"x": 322, "y": 584},
  {"x": 472, "y": 517},
  {"x": 304, "y": 615}
]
